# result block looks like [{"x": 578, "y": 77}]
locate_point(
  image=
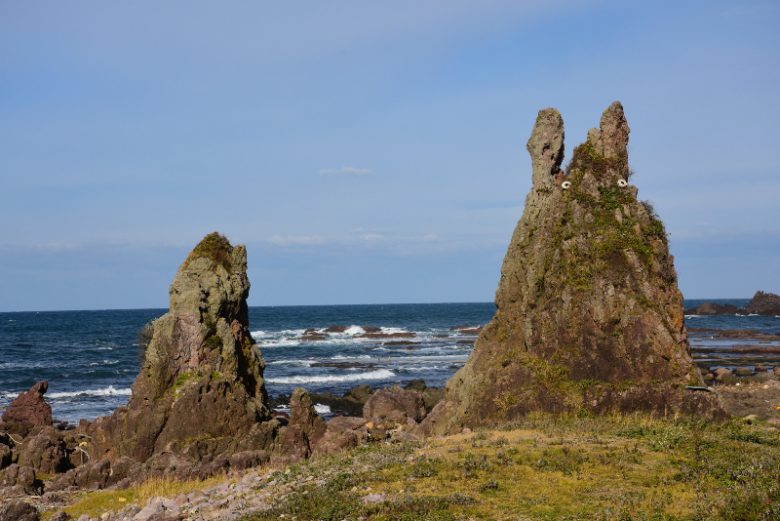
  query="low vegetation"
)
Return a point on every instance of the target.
[{"x": 546, "y": 468}]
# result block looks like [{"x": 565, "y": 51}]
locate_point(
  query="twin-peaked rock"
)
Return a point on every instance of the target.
[{"x": 589, "y": 316}]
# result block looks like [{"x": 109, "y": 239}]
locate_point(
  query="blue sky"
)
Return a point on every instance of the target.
[{"x": 366, "y": 151}]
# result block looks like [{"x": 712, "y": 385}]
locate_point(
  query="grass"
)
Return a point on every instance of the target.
[
  {"x": 213, "y": 246},
  {"x": 552, "y": 468},
  {"x": 96, "y": 503}
]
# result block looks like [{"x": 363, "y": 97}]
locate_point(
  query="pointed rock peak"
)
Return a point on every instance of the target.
[
  {"x": 212, "y": 281},
  {"x": 546, "y": 146},
  {"x": 610, "y": 140}
]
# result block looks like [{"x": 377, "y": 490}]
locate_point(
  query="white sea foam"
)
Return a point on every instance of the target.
[
  {"x": 301, "y": 363},
  {"x": 105, "y": 391},
  {"x": 319, "y": 408},
  {"x": 104, "y": 362},
  {"x": 379, "y": 374}
]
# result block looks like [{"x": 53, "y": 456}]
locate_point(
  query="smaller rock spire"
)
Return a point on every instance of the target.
[{"x": 546, "y": 146}]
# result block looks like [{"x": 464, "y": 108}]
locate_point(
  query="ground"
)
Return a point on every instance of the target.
[{"x": 545, "y": 468}]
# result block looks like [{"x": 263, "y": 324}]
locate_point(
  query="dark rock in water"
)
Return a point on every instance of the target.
[
  {"x": 336, "y": 329},
  {"x": 589, "y": 316},
  {"x": 394, "y": 407},
  {"x": 200, "y": 391},
  {"x": 28, "y": 410},
  {"x": 312, "y": 335},
  {"x": 764, "y": 304},
  {"x": 710, "y": 308},
  {"x": 734, "y": 333},
  {"x": 304, "y": 429},
  {"x": 18, "y": 511},
  {"x": 379, "y": 335}
]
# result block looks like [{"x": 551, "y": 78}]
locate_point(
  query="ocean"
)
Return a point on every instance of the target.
[{"x": 91, "y": 358}]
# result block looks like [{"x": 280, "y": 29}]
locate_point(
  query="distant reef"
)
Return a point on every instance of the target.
[
  {"x": 589, "y": 318},
  {"x": 762, "y": 303}
]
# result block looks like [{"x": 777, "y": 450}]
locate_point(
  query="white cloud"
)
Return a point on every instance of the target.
[{"x": 347, "y": 171}]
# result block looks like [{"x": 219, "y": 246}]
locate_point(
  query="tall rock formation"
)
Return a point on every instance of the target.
[
  {"x": 589, "y": 316},
  {"x": 200, "y": 392}
]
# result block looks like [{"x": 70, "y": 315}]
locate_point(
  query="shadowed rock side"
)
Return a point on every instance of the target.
[
  {"x": 200, "y": 392},
  {"x": 589, "y": 316}
]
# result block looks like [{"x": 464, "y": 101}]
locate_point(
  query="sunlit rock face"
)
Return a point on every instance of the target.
[{"x": 589, "y": 317}]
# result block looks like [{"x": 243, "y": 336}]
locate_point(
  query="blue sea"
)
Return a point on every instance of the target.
[{"x": 91, "y": 358}]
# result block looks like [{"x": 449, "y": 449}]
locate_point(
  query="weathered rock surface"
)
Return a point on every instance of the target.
[
  {"x": 764, "y": 304},
  {"x": 589, "y": 315},
  {"x": 28, "y": 410},
  {"x": 394, "y": 407},
  {"x": 200, "y": 391},
  {"x": 305, "y": 428},
  {"x": 18, "y": 511}
]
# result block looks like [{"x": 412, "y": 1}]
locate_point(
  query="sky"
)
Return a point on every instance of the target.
[{"x": 366, "y": 152}]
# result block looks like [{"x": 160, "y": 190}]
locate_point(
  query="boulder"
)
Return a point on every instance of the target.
[
  {"x": 588, "y": 317},
  {"x": 19, "y": 479},
  {"x": 200, "y": 392},
  {"x": 28, "y": 410},
  {"x": 305, "y": 428},
  {"x": 764, "y": 304},
  {"x": 723, "y": 373},
  {"x": 18, "y": 511},
  {"x": 711, "y": 308},
  {"x": 45, "y": 451},
  {"x": 342, "y": 432},
  {"x": 394, "y": 407}
]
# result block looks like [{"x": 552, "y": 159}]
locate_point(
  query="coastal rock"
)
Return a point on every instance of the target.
[
  {"x": 45, "y": 451},
  {"x": 18, "y": 511},
  {"x": 394, "y": 407},
  {"x": 28, "y": 410},
  {"x": 764, "y": 304},
  {"x": 200, "y": 392},
  {"x": 588, "y": 313},
  {"x": 711, "y": 308},
  {"x": 342, "y": 432},
  {"x": 18, "y": 480},
  {"x": 304, "y": 429}
]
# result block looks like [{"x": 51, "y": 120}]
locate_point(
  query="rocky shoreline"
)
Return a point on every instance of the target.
[{"x": 762, "y": 303}]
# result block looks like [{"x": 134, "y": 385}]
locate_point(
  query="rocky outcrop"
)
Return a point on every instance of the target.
[
  {"x": 305, "y": 428},
  {"x": 394, "y": 407},
  {"x": 200, "y": 392},
  {"x": 28, "y": 410},
  {"x": 764, "y": 304},
  {"x": 588, "y": 313}
]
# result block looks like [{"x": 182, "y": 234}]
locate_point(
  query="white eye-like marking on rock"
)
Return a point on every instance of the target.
[
  {"x": 622, "y": 183},
  {"x": 566, "y": 185}
]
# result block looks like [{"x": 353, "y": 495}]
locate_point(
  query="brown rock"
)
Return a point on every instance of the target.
[
  {"x": 18, "y": 511},
  {"x": 764, "y": 304},
  {"x": 394, "y": 407},
  {"x": 45, "y": 451},
  {"x": 588, "y": 313},
  {"x": 200, "y": 392},
  {"x": 22, "y": 478},
  {"x": 28, "y": 410},
  {"x": 342, "y": 432},
  {"x": 305, "y": 428}
]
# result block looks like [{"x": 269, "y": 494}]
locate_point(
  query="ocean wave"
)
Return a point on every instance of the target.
[
  {"x": 105, "y": 391},
  {"x": 319, "y": 408},
  {"x": 104, "y": 362},
  {"x": 379, "y": 374}
]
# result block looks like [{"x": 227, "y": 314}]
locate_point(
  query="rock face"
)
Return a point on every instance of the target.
[
  {"x": 200, "y": 392},
  {"x": 28, "y": 410},
  {"x": 298, "y": 439},
  {"x": 764, "y": 304},
  {"x": 589, "y": 316},
  {"x": 394, "y": 407}
]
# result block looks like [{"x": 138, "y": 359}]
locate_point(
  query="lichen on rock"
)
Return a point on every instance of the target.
[
  {"x": 589, "y": 317},
  {"x": 200, "y": 392}
]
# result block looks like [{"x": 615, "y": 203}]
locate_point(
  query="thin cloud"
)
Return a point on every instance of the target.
[{"x": 350, "y": 171}]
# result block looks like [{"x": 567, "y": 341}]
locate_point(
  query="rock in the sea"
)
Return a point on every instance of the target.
[
  {"x": 200, "y": 391},
  {"x": 394, "y": 407},
  {"x": 589, "y": 316},
  {"x": 28, "y": 410},
  {"x": 305, "y": 428},
  {"x": 712, "y": 308},
  {"x": 764, "y": 304}
]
